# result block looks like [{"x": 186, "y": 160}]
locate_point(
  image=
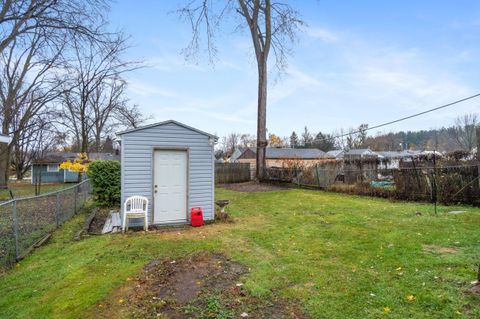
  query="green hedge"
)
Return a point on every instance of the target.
[{"x": 105, "y": 180}]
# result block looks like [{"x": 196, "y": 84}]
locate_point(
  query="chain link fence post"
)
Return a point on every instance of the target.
[
  {"x": 57, "y": 209},
  {"x": 85, "y": 192},
  {"x": 75, "y": 200},
  {"x": 15, "y": 229}
]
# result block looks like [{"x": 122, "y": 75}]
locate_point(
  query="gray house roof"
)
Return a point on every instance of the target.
[
  {"x": 165, "y": 123},
  {"x": 336, "y": 153},
  {"x": 236, "y": 154},
  {"x": 360, "y": 152},
  {"x": 59, "y": 157},
  {"x": 282, "y": 153},
  {"x": 302, "y": 153},
  {"x": 402, "y": 154}
]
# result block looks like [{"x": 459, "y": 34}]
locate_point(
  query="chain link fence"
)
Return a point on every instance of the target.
[
  {"x": 457, "y": 183},
  {"x": 24, "y": 222}
]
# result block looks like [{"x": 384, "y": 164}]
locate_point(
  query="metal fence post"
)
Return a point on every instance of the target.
[
  {"x": 75, "y": 202},
  {"x": 85, "y": 191},
  {"x": 15, "y": 229},
  {"x": 57, "y": 209}
]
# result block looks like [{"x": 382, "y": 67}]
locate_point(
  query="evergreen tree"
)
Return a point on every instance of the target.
[
  {"x": 324, "y": 142},
  {"x": 294, "y": 140}
]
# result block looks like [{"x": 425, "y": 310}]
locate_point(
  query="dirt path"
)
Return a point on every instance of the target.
[{"x": 204, "y": 285}]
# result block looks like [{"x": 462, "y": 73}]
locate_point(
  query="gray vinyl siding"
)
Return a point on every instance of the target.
[
  {"x": 46, "y": 177},
  {"x": 137, "y": 162},
  {"x": 52, "y": 177}
]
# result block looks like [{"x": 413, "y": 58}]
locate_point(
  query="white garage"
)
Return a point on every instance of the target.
[{"x": 171, "y": 164}]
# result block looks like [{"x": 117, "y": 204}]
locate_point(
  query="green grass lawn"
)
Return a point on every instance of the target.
[
  {"x": 24, "y": 189},
  {"x": 337, "y": 256}
]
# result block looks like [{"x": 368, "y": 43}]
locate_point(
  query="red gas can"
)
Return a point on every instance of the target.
[{"x": 196, "y": 216}]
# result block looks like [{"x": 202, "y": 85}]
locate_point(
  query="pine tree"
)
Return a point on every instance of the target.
[{"x": 293, "y": 140}]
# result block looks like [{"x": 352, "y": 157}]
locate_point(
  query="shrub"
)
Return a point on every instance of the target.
[{"x": 105, "y": 179}]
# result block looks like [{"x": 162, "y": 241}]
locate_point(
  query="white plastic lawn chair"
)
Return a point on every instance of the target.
[{"x": 135, "y": 207}]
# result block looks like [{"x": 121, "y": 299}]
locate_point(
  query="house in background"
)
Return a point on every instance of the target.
[
  {"x": 47, "y": 169},
  {"x": 360, "y": 153},
  {"x": 239, "y": 151},
  {"x": 281, "y": 157},
  {"x": 391, "y": 159},
  {"x": 337, "y": 154}
]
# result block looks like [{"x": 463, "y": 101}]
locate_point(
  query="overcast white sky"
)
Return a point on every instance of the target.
[{"x": 357, "y": 62}]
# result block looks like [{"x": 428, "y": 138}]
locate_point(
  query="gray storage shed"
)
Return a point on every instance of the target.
[{"x": 171, "y": 164}]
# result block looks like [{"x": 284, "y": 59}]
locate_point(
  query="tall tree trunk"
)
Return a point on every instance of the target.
[
  {"x": 98, "y": 143},
  {"x": 261, "y": 119},
  {"x": 5, "y": 151},
  {"x": 84, "y": 145},
  {"x": 4, "y": 165}
]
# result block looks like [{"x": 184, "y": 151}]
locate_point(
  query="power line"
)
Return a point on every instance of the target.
[{"x": 408, "y": 117}]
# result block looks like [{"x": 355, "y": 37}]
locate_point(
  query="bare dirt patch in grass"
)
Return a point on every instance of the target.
[
  {"x": 252, "y": 186},
  {"x": 204, "y": 285},
  {"x": 475, "y": 290},
  {"x": 439, "y": 249},
  {"x": 97, "y": 223}
]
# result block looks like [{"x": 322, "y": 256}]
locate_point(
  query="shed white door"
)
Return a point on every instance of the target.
[{"x": 170, "y": 186}]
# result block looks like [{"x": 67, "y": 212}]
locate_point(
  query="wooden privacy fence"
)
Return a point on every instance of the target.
[{"x": 232, "y": 173}]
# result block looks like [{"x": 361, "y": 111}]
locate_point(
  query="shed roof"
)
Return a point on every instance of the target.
[{"x": 165, "y": 123}]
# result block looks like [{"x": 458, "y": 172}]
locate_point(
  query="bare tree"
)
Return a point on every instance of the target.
[
  {"x": 230, "y": 143},
  {"x": 233, "y": 140},
  {"x": 129, "y": 116},
  {"x": 464, "y": 131},
  {"x": 33, "y": 37},
  {"x": 247, "y": 140},
  {"x": 77, "y": 18},
  {"x": 93, "y": 90},
  {"x": 272, "y": 25},
  {"x": 105, "y": 100},
  {"x": 341, "y": 142},
  {"x": 32, "y": 142},
  {"x": 27, "y": 85}
]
